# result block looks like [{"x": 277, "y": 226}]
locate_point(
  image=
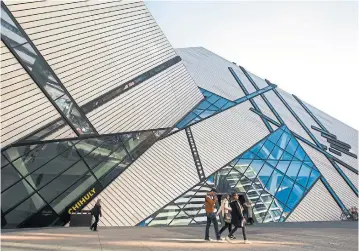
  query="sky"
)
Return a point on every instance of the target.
[{"x": 307, "y": 48}]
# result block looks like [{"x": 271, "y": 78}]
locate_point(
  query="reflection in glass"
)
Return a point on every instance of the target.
[{"x": 15, "y": 194}]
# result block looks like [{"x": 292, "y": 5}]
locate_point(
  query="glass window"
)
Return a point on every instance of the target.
[
  {"x": 303, "y": 175},
  {"x": 292, "y": 146},
  {"x": 16, "y": 152},
  {"x": 52, "y": 169},
  {"x": 273, "y": 163},
  {"x": 41, "y": 155},
  {"x": 284, "y": 190},
  {"x": 283, "y": 141},
  {"x": 24, "y": 210},
  {"x": 15, "y": 194},
  {"x": 72, "y": 193},
  {"x": 256, "y": 165},
  {"x": 274, "y": 182},
  {"x": 293, "y": 169},
  {"x": 310, "y": 164},
  {"x": 248, "y": 155},
  {"x": 206, "y": 114},
  {"x": 295, "y": 196},
  {"x": 85, "y": 146},
  {"x": 9, "y": 176},
  {"x": 198, "y": 111},
  {"x": 265, "y": 173},
  {"x": 300, "y": 154},
  {"x": 114, "y": 173},
  {"x": 186, "y": 120},
  {"x": 204, "y": 105},
  {"x": 275, "y": 136},
  {"x": 147, "y": 143},
  {"x": 266, "y": 150},
  {"x": 313, "y": 177},
  {"x": 286, "y": 156},
  {"x": 283, "y": 165},
  {"x": 212, "y": 99},
  {"x": 276, "y": 153},
  {"x": 64, "y": 181},
  {"x": 4, "y": 161},
  {"x": 257, "y": 147},
  {"x": 132, "y": 140},
  {"x": 221, "y": 102},
  {"x": 213, "y": 108},
  {"x": 229, "y": 104}
]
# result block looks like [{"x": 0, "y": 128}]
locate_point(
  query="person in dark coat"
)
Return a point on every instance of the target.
[
  {"x": 96, "y": 212},
  {"x": 238, "y": 220}
]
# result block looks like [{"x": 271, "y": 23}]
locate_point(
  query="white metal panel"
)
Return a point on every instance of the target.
[
  {"x": 161, "y": 174},
  {"x": 226, "y": 135},
  {"x": 264, "y": 108},
  {"x": 210, "y": 72},
  {"x": 286, "y": 115},
  {"x": 353, "y": 177},
  {"x": 340, "y": 187},
  {"x": 95, "y": 46},
  {"x": 261, "y": 83},
  {"x": 158, "y": 102},
  {"x": 343, "y": 132},
  {"x": 317, "y": 205},
  {"x": 24, "y": 107}
]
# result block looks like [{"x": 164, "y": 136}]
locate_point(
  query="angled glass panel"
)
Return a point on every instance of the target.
[
  {"x": 313, "y": 177},
  {"x": 106, "y": 175},
  {"x": 256, "y": 165},
  {"x": 203, "y": 105},
  {"x": 303, "y": 175},
  {"x": 249, "y": 155},
  {"x": 266, "y": 149},
  {"x": 286, "y": 156},
  {"x": 4, "y": 161},
  {"x": 132, "y": 140},
  {"x": 186, "y": 120},
  {"x": 143, "y": 146},
  {"x": 213, "y": 99},
  {"x": 273, "y": 163},
  {"x": 293, "y": 169},
  {"x": 276, "y": 153},
  {"x": 205, "y": 93},
  {"x": 52, "y": 169},
  {"x": 39, "y": 156},
  {"x": 23, "y": 211},
  {"x": 292, "y": 146},
  {"x": 85, "y": 146},
  {"x": 283, "y": 141},
  {"x": 295, "y": 196},
  {"x": 198, "y": 111},
  {"x": 221, "y": 102},
  {"x": 284, "y": 190},
  {"x": 283, "y": 165},
  {"x": 310, "y": 164},
  {"x": 265, "y": 173},
  {"x": 206, "y": 114},
  {"x": 300, "y": 154},
  {"x": 9, "y": 176},
  {"x": 227, "y": 105},
  {"x": 242, "y": 165},
  {"x": 15, "y": 195},
  {"x": 274, "y": 181},
  {"x": 194, "y": 120},
  {"x": 64, "y": 181},
  {"x": 274, "y": 137},
  {"x": 213, "y": 108}
]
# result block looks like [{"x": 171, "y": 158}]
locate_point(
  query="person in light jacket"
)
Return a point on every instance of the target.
[
  {"x": 225, "y": 212},
  {"x": 96, "y": 212},
  {"x": 238, "y": 219}
]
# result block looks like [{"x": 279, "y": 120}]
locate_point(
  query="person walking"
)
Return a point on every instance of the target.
[
  {"x": 248, "y": 206},
  {"x": 225, "y": 211},
  {"x": 238, "y": 219},
  {"x": 96, "y": 212},
  {"x": 210, "y": 202}
]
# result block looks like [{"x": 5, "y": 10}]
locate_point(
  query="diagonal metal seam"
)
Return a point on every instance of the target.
[
  {"x": 228, "y": 163},
  {"x": 47, "y": 66},
  {"x": 195, "y": 154},
  {"x": 349, "y": 183},
  {"x": 239, "y": 82}
]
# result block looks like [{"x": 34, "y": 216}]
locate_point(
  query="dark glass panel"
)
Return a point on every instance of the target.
[
  {"x": 85, "y": 146},
  {"x": 303, "y": 175},
  {"x": 16, "y": 152},
  {"x": 283, "y": 165},
  {"x": 284, "y": 190},
  {"x": 147, "y": 143},
  {"x": 15, "y": 194},
  {"x": 24, "y": 210},
  {"x": 132, "y": 140},
  {"x": 50, "y": 170},
  {"x": 9, "y": 176},
  {"x": 4, "y": 161},
  {"x": 73, "y": 192},
  {"x": 41, "y": 155},
  {"x": 101, "y": 153},
  {"x": 64, "y": 181},
  {"x": 292, "y": 146},
  {"x": 115, "y": 172},
  {"x": 293, "y": 169},
  {"x": 295, "y": 196}
]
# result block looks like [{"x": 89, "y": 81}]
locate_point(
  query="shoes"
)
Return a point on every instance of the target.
[
  {"x": 247, "y": 242},
  {"x": 209, "y": 239},
  {"x": 221, "y": 239},
  {"x": 232, "y": 237}
]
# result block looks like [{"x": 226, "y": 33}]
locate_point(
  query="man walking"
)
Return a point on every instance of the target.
[{"x": 210, "y": 203}]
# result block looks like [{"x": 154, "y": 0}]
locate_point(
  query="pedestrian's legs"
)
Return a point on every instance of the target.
[
  {"x": 94, "y": 225},
  {"x": 215, "y": 223},
  {"x": 233, "y": 231},
  {"x": 244, "y": 233},
  {"x": 223, "y": 228},
  {"x": 207, "y": 227},
  {"x": 229, "y": 227}
]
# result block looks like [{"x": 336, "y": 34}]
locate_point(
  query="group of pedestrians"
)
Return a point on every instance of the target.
[{"x": 233, "y": 213}]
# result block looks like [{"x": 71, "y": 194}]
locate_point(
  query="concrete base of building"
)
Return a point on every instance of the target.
[{"x": 280, "y": 236}]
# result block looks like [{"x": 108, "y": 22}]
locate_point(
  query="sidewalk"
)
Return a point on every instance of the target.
[{"x": 283, "y": 236}]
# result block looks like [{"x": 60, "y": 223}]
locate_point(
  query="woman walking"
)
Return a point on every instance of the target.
[
  {"x": 225, "y": 211},
  {"x": 96, "y": 212},
  {"x": 238, "y": 219}
]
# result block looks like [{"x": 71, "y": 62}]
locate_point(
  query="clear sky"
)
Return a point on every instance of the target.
[{"x": 308, "y": 48}]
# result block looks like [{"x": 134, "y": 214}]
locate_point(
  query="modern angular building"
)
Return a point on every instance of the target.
[{"x": 95, "y": 103}]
